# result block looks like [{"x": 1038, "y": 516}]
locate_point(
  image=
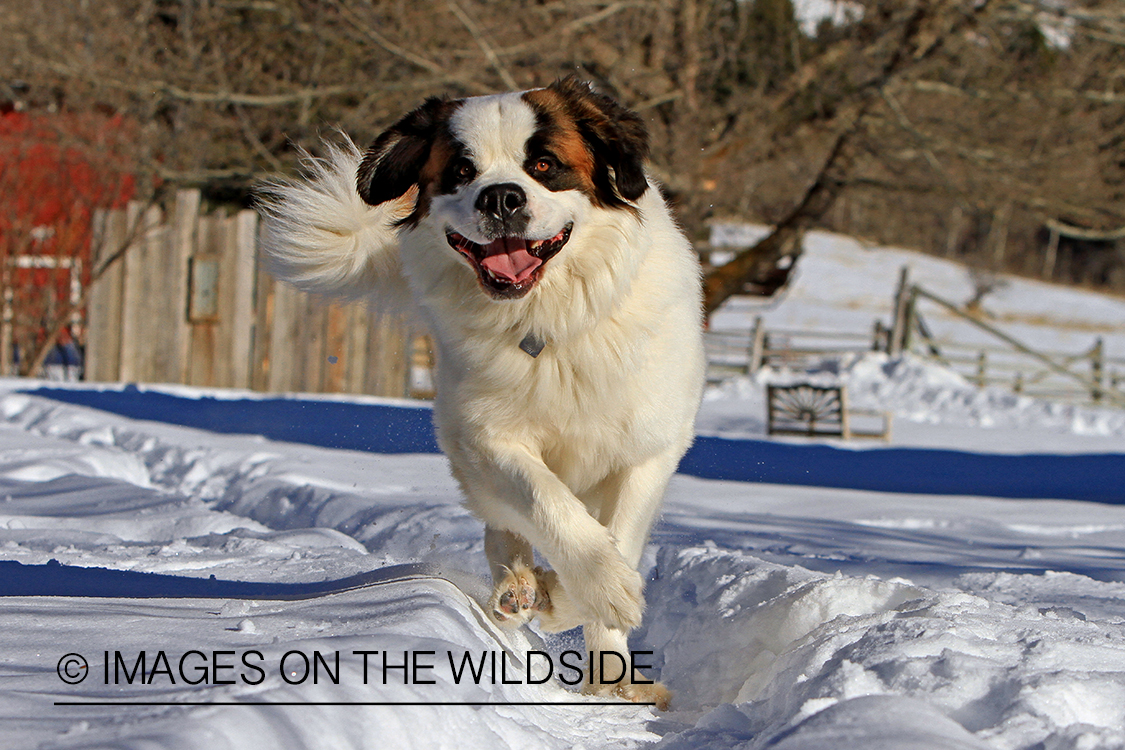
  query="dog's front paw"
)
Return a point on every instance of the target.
[
  {"x": 654, "y": 693},
  {"x": 518, "y": 597},
  {"x": 611, "y": 593}
]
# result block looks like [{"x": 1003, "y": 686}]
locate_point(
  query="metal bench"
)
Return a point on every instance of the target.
[{"x": 817, "y": 411}]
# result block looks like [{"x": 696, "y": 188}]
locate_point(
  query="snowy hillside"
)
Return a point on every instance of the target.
[
  {"x": 845, "y": 286},
  {"x": 782, "y": 615}
]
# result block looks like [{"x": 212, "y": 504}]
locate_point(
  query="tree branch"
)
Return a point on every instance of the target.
[
  {"x": 1007, "y": 95},
  {"x": 1069, "y": 230},
  {"x": 390, "y": 46},
  {"x": 922, "y": 34},
  {"x": 923, "y": 144},
  {"x": 485, "y": 47}
]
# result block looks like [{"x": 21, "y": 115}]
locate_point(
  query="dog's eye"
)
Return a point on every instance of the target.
[
  {"x": 464, "y": 169},
  {"x": 544, "y": 165}
]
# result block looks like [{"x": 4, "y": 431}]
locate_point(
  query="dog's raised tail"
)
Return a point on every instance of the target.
[{"x": 320, "y": 236}]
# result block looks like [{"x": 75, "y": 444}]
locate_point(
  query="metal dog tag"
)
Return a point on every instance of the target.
[{"x": 532, "y": 344}]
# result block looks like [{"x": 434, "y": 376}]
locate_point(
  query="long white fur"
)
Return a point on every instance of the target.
[
  {"x": 321, "y": 237},
  {"x": 569, "y": 452}
]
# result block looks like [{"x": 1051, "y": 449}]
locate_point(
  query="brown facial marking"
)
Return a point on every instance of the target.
[
  {"x": 429, "y": 176},
  {"x": 558, "y": 135},
  {"x": 614, "y": 138},
  {"x": 440, "y": 153},
  {"x": 562, "y": 133}
]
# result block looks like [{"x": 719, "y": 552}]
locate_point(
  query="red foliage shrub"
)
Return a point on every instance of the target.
[{"x": 56, "y": 170}]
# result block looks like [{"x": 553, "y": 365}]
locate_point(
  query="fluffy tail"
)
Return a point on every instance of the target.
[{"x": 321, "y": 237}]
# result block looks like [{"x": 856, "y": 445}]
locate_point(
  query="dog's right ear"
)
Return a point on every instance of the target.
[{"x": 394, "y": 162}]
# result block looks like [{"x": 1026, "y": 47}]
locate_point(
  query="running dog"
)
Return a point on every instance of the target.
[{"x": 565, "y": 305}]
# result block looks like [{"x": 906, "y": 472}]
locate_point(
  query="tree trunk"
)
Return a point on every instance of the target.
[{"x": 762, "y": 267}]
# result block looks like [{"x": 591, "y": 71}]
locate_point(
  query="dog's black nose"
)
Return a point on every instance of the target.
[{"x": 501, "y": 201}]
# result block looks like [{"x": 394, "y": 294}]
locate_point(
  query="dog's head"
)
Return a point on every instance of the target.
[{"x": 506, "y": 177}]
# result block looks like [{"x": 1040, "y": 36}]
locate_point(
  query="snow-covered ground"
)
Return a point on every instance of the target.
[{"x": 782, "y": 616}]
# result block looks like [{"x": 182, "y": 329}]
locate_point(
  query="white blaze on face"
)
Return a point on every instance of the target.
[{"x": 495, "y": 128}]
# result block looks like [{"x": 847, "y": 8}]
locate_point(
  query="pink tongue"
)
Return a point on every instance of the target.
[{"x": 509, "y": 259}]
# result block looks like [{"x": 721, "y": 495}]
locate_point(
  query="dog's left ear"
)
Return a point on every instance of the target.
[
  {"x": 394, "y": 162},
  {"x": 617, "y": 136}
]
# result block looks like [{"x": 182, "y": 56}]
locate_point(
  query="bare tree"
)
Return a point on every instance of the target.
[
  {"x": 913, "y": 38},
  {"x": 928, "y": 123}
]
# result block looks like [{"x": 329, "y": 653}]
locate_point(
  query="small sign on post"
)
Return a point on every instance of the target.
[{"x": 203, "y": 289}]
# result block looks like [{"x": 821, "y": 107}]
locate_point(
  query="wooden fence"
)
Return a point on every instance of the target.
[
  {"x": 190, "y": 303},
  {"x": 738, "y": 352},
  {"x": 1074, "y": 376},
  {"x": 1084, "y": 376}
]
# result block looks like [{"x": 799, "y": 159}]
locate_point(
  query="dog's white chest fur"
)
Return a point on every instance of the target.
[{"x": 619, "y": 374}]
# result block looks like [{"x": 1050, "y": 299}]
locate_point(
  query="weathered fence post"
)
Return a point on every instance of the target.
[
  {"x": 898, "y": 325},
  {"x": 757, "y": 346},
  {"x": 388, "y": 370},
  {"x": 242, "y": 267},
  {"x": 953, "y": 236},
  {"x": 998, "y": 233},
  {"x": 103, "y": 313},
  {"x": 142, "y": 324},
  {"x": 1052, "y": 254},
  {"x": 879, "y": 337},
  {"x": 183, "y": 238},
  {"x": 1097, "y": 369},
  {"x": 910, "y": 319}
]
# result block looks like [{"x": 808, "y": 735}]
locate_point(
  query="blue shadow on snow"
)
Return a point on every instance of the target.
[
  {"x": 375, "y": 428},
  {"x": 55, "y": 579},
  {"x": 386, "y": 428}
]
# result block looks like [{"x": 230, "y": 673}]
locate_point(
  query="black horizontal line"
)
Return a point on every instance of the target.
[{"x": 349, "y": 703}]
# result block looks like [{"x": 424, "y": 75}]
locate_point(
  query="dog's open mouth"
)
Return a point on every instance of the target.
[{"x": 510, "y": 266}]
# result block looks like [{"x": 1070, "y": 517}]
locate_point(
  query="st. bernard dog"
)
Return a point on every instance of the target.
[{"x": 565, "y": 305}]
